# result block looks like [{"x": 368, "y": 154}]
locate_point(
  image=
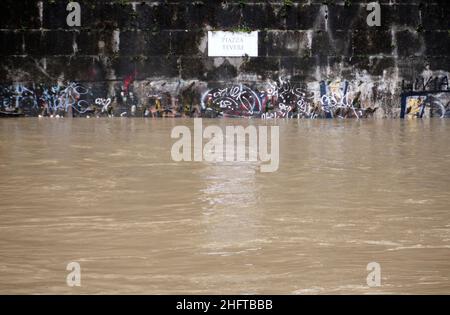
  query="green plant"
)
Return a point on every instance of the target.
[
  {"x": 419, "y": 28},
  {"x": 122, "y": 2},
  {"x": 242, "y": 3},
  {"x": 241, "y": 28}
]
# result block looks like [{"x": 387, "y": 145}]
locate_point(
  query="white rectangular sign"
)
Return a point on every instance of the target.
[{"x": 232, "y": 44}]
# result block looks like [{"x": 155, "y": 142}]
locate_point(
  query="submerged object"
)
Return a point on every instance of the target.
[{"x": 11, "y": 114}]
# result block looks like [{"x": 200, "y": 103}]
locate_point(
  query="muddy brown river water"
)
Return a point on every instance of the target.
[{"x": 106, "y": 194}]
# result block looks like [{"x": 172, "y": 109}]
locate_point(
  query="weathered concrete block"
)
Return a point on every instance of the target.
[
  {"x": 299, "y": 68},
  {"x": 19, "y": 69},
  {"x": 437, "y": 43},
  {"x": 345, "y": 17},
  {"x": 261, "y": 16},
  {"x": 322, "y": 44},
  {"x": 263, "y": 43},
  {"x": 438, "y": 63},
  {"x": 79, "y": 68},
  {"x": 159, "y": 16},
  {"x": 157, "y": 44},
  {"x": 373, "y": 65},
  {"x": 201, "y": 14},
  {"x": 48, "y": 43},
  {"x": 264, "y": 67},
  {"x": 188, "y": 43},
  {"x": 301, "y": 17},
  {"x": 132, "y": 42},
  {"x": 332, "y": 43},
  {"x": 123, "y": 66},
  {"x": 400, "y": 16},
  {"x": 12, "y": 43},
  {"x": 409, "y": 43},
  {"x": 224, "y": 72},
  {"x": 195, "y": 67},
  {"x": 157, "y": 66},
  {"x": 435, "y": 16},
  {"x": 19, "y": 15},
  {"x": 288, "y": 43},
  {"x": 372, "y": 42},
  {"x": 93, "y": 42},
  {"x": 410, "y": 67},
  {"x": 54, "y": 15},
  {"x": 228, "y": 15}
]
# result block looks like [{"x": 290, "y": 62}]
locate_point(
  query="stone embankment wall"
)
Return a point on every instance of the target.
[{"x": 316, "y": 58}]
